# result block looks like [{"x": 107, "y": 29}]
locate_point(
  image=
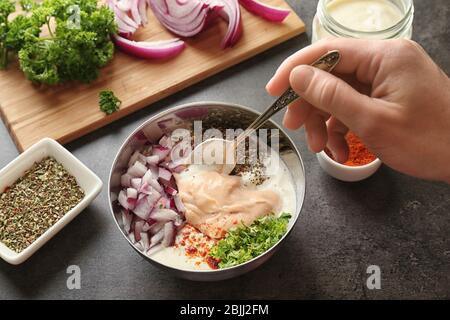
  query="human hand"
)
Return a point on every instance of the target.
[{"x": 389, "y": 92}]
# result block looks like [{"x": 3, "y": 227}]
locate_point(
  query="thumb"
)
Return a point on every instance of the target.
[{"x": 331, "y": 94}]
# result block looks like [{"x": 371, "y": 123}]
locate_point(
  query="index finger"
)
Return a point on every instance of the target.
[{"x": 359, "y": 57}]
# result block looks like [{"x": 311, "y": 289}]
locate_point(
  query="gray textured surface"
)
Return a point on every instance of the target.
[{"x": 391, "y": 220}]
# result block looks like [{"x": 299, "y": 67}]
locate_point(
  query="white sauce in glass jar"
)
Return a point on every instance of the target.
[
  {"x": 365, "y": 15},
  {"x": 372, "y": 19}
]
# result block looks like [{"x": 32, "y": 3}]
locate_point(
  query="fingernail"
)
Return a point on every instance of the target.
[
  {"x": 269, "y": 83},
  {"x": 301, "y": 77}
]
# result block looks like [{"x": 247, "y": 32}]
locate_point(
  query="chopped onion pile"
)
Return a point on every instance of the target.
[
  {"x": 185, "y": 18},
  {"x": 152, "y": 211}
]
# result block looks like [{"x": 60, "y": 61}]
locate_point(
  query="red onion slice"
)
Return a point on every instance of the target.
[
  {"x": 232, "y": 14},
  {"x": 183, "y": 18},
  {"x": 147, "y": 50},
  {"x": 142, "y": 8},
  {"x": 135, "y": 15},
  {"x": 123, "y": 5},
  {"x": 265, "y": 11}
]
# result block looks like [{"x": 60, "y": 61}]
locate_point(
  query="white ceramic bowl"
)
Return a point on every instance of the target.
[
  {"x": 87, "y": 180},
  {"x": 347, "y": 173}
]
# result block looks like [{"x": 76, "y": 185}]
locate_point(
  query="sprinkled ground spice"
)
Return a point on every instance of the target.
[
  {"x": 35, "y": 202},
  {"x": 359, "y": 154}
]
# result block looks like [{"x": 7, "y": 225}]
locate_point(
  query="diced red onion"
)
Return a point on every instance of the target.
[
  {"x": 136, "y": 183},
  {"x": 169, "y": 234},
  {"x": 166, "y": 142},
  {"x": 131, "y": 237},
  {"x": 164, "y": 174},
  {"x": 125, "y": 180},
  {"x": 160, "y": 151},
  {"x": 143, "y": 207},
  {"x": 171, "y": 191},
  {"x": 127, "y": 217},
  {"x": 270, "y": 13},
  {"x": 147, "y": 176},
  {"x": 148, "y": 225},
  {"x": 123, "y": 200},
  {"x": 137, "y": 170},
  {"x": 132, "y": 193},
  {"x": 138, "y": 229},
  {"x": 131, "y": 203},
  {"x": 154, "y": 159},
  {"x": 163, "y": 214},
  {"x": 155, "y": 171},
  {"x": 154, "y": 183},
  {"x": 178, "y": 203},
  {"x": 156, "y": 227},
  {"x": 134, "y": 157},
  {"x": 145, "y": 241},
  {"x": 157, "y": 238}
]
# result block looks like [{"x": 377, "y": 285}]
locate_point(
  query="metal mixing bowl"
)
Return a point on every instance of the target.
[{"x": 211, "y": 113}]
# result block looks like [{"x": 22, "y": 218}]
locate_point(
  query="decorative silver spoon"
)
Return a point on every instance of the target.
[{"x": 327, "y": 63}]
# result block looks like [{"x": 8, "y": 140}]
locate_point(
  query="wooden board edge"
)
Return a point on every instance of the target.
[{"x": 171, "y": 90}]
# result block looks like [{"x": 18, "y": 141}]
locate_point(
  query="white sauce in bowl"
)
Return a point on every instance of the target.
[{"x": 280, "y": 181}]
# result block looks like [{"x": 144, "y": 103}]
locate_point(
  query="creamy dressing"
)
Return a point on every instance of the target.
[
  {"x": 372, "y": 19},
  {"x": 280, "y": 182},
  {"x": 216, "y": 202},
  {"x": 365, "y": 15}
]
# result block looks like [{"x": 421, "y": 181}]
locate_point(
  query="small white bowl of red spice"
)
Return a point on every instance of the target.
[
  {"x": 41, "y": 191},
  {"x": 361, "y": 163}
]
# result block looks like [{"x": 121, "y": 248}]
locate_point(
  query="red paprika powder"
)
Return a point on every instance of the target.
[{"x": 358, "y": 155}]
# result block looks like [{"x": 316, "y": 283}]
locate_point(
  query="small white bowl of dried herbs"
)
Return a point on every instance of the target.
[{"x": 41, "y": 191}]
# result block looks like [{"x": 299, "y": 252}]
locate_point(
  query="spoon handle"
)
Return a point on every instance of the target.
[{"x": 327, "y": 63}]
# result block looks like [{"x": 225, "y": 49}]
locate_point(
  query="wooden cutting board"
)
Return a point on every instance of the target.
[{"x": 68, "y": 112}]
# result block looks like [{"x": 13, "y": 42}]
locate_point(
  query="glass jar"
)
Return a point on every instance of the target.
[{"x": 363, "y": 19}]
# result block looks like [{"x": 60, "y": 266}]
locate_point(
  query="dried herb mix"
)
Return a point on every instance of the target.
[{"x": 35, "y": 202}]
